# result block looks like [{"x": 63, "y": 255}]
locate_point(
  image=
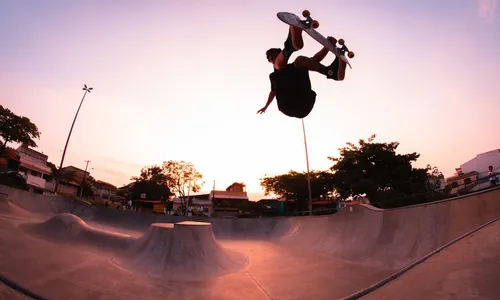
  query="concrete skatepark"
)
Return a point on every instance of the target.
[{"x": 59, "y": 248}]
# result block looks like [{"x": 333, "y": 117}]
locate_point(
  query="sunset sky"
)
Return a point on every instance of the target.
[{"x": 183, "y": 80}]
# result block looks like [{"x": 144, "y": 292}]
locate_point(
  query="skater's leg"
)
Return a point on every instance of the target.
[
  {"x": 335, "y": 71},
  {"x": 324, "y": 51},
  {"x": 294, "y": 42},
  {"x": 296, "y": 36},
  {"x": 341, "y": 72},
  {"x": 281, "y": 61},
  {"x": 310, "y": 64},
  {"x": 320, "y": 55}
]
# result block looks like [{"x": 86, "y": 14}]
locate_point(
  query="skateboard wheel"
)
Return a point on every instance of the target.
[
  {"x": 350, "y": 54},
  {"x": 341, "y": 42},
  {"x": 314, "y": 24},
  {"x": 306, "y": 13}
]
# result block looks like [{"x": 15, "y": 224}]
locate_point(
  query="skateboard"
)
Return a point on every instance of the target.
[{"x": 309, "y": 25}]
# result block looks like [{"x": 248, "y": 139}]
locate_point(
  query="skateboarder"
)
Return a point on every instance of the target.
[{"x": 290, "y": 82}]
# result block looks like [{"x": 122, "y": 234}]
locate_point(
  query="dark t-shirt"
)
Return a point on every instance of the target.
[
  {"x": 290, "y": 82},
  {"x": 293, "y": 90}
]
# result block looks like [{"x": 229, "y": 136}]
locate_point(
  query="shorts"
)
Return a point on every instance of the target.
[
  {"x": 294, "y": 94},
  {"x": 298, "y": 106}
]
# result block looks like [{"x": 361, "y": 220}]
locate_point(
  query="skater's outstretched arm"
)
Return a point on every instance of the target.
[{"x": 270, "y": 99}]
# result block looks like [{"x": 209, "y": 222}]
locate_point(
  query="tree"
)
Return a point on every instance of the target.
[
  {"x": 293, "y": 186},
  {"x": 14, "y": 128},
  {"x": 122, "y": 193},
  {"x": 55, "y": 172},
  {"x": 387, "y": 178},
  {"x": 153, "y": 182},
  {"x": 153, "y": 174},
  {"x": 182, "y": 178},
  {"x": 87, "y": 189},
  {"x": 435, "y": 184}
]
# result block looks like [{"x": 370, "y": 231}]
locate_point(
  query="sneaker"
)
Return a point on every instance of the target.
[{"x": 333, "y": 69}]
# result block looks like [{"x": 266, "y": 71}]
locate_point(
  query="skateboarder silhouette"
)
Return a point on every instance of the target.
[{"x": 290, "y": 82}]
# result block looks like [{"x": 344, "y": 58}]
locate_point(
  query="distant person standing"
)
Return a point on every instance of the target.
[{"x": 493, "y": 176}]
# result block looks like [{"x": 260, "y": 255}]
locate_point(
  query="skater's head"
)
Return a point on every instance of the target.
[{"x": 272, "y": 53}]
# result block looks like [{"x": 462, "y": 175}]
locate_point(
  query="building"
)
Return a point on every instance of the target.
[
  {"x": 10, "y": 160},
  {"x": 71, "y": 181},
  {"x": 201, "y": 200},
  {"x": 32, "y": 165},
  {"x": 463, "y": 183},
  {"x": 473, "y": 174},
  {"x": 274, "y": 206},
  {"x": 104, "y": 190},
  {"x": 34, "y": 168},
  {"x": 237, "y": 187},
  {"x": 230, "y": 201},
  {"x": 75, "y": 174},
  {"x": 480, "y": 164}
]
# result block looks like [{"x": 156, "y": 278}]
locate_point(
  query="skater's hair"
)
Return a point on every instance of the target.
[{"x": 272, "y": 51}]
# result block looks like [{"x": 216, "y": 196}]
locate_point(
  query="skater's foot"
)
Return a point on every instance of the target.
[
  {"x": 293, "y": 42},
  {"x": 336, "y": 70},
  {"x": 333, "y": 69}
]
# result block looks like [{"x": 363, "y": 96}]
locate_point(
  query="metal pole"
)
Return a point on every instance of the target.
[
  {"x": 213, "y": 196},
  {"x": 308, "y": 174},
  {"x": 86, "y": 89},
  {"x": 189, "y": 191},
  {"x": 83, "y": 180}
]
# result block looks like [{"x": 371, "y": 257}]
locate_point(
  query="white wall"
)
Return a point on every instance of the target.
[
  {"x": 35, "y": 181},
  {"x": 481, "y": 162}
]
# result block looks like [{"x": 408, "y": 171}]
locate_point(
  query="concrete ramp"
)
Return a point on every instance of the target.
[
  {"x": 468, "y": 269},
  {"x": 184, "y": 251},
  {"x": 70, "y": 229},
  {"x": 393, "y": 238},
  {"x": 7, "y": 208},
  {"x": 262, "y": 229}
]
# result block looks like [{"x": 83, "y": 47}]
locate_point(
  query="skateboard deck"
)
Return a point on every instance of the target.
[{"x": 309, "y": 25}]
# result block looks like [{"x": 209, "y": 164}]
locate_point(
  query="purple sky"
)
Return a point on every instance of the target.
[{"x": 183, "y": 80}]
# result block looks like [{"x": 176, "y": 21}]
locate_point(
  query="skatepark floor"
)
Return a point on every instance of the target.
[
  {"x": 328, "y": 257},
  {"x": 67, "y": 272}
]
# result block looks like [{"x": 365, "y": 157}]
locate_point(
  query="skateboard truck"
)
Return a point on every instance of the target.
[
  {"x": 344, "y": 48},
  {"x": 309, "y": 22}
]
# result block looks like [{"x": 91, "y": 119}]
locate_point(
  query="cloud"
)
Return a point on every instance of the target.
[{"x": 487, "y": 9}]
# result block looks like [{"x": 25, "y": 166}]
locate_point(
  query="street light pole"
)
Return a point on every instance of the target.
[
  {"x": 308, "y": 174},
  {"x": 87, "y": 90}
]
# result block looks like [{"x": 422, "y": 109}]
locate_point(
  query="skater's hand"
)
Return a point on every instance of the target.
[{"x": 262, "y": 110}]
